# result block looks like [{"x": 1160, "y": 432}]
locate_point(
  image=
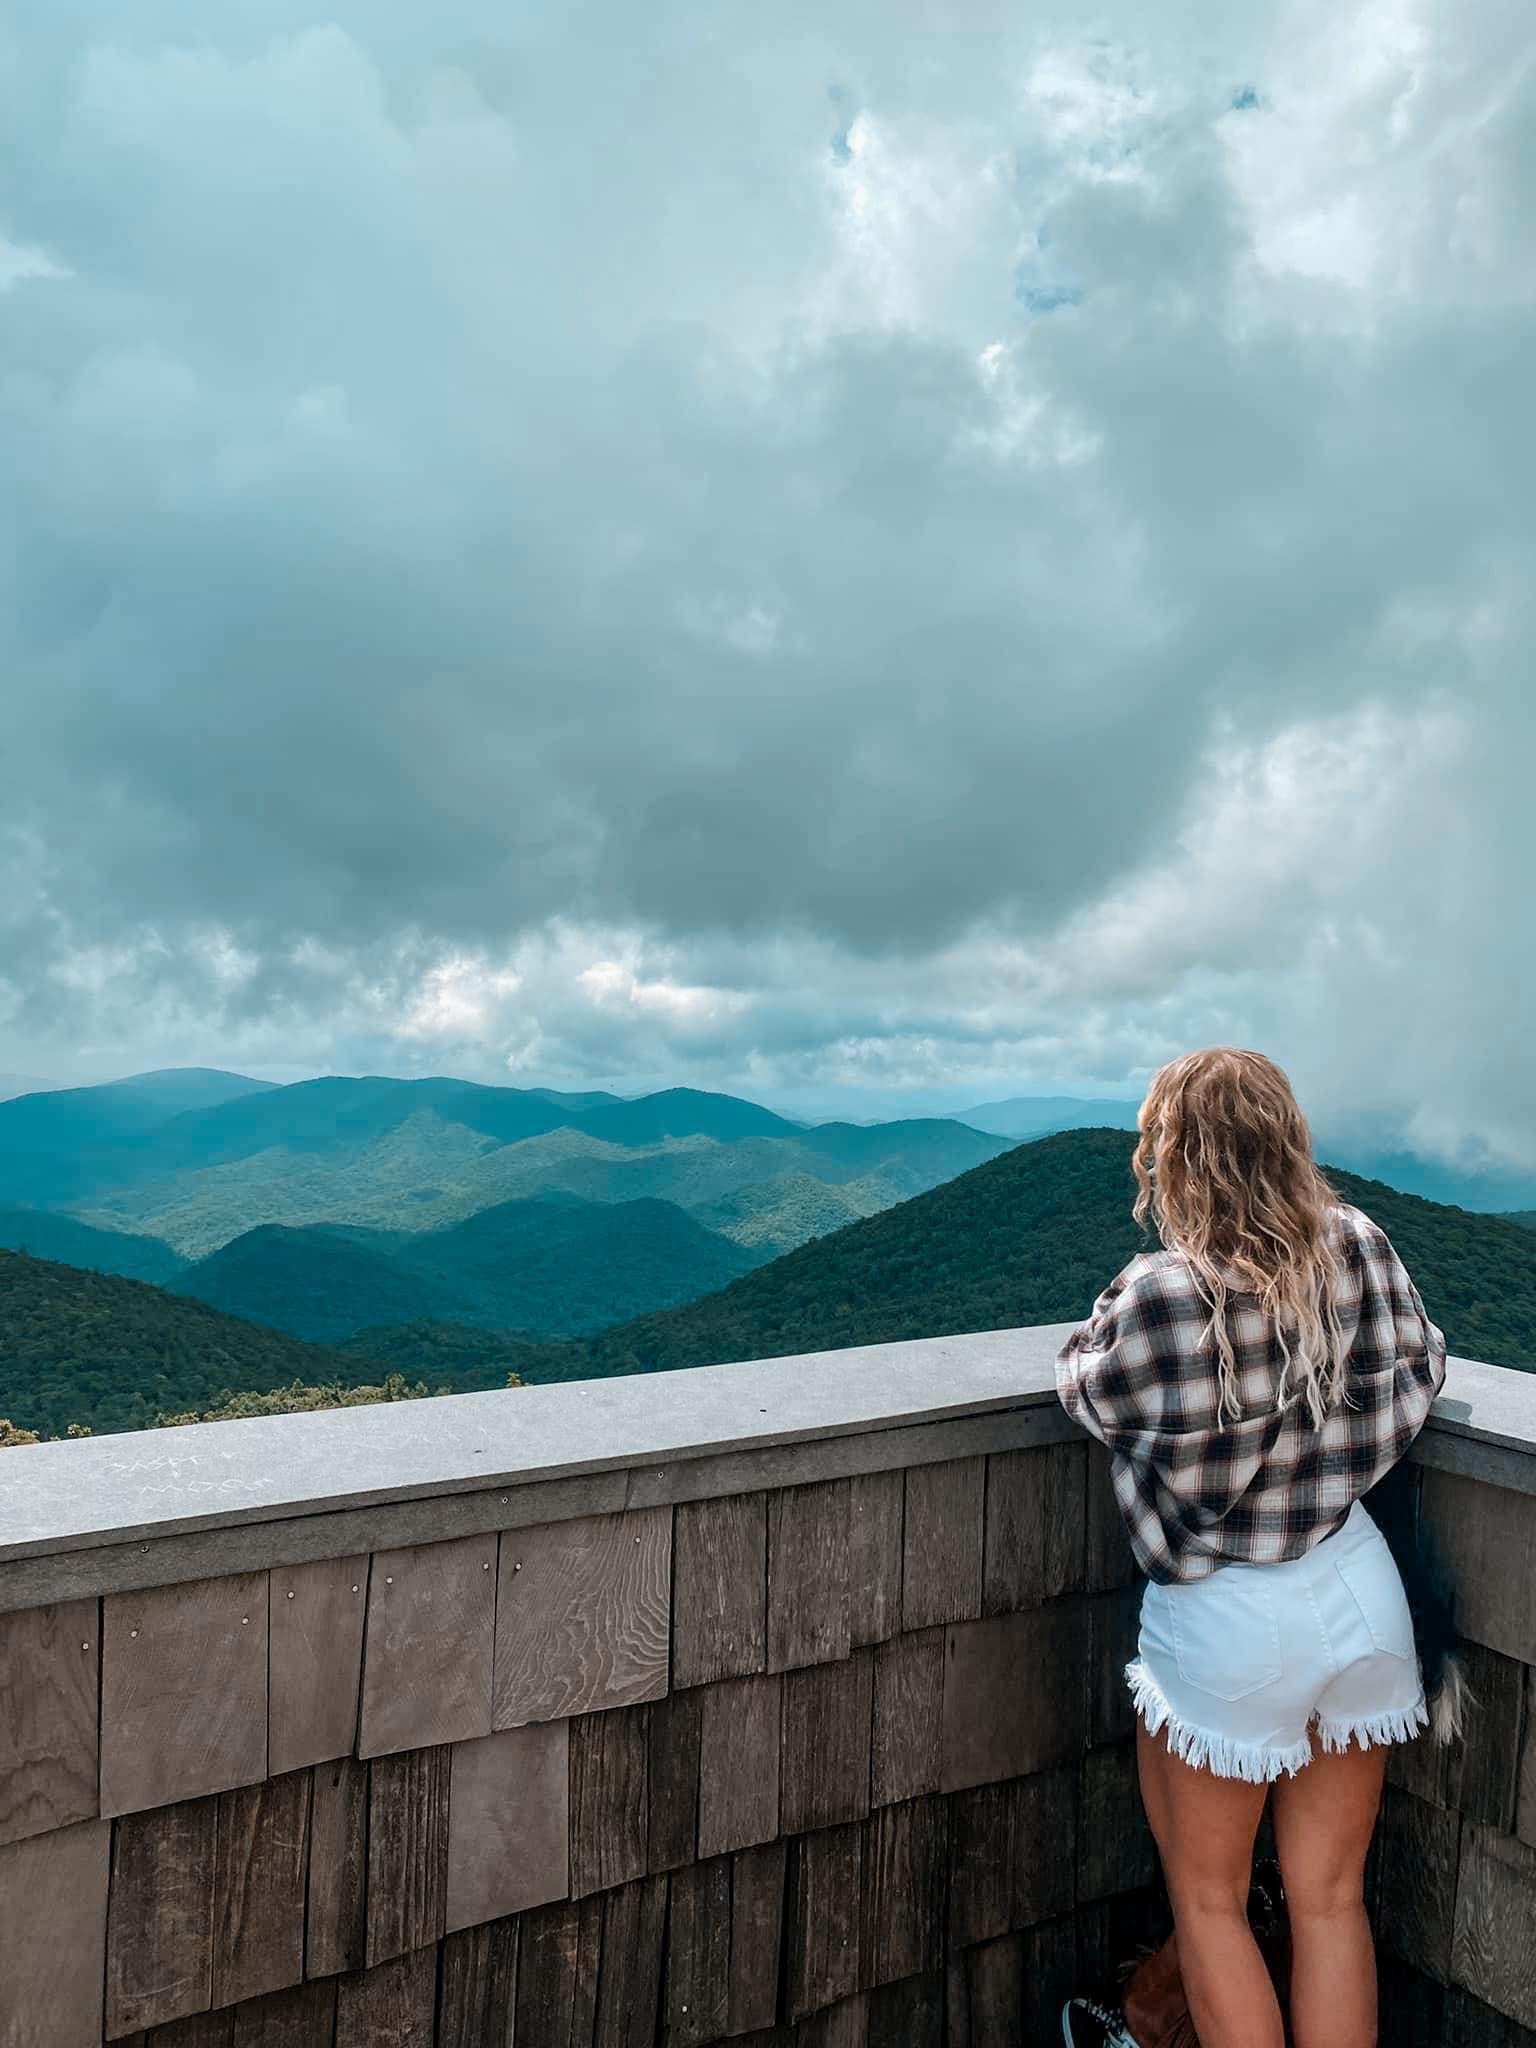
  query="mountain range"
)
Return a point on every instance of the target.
[
  {"x": 1358, "y": 1145},
  {"x": 1041, "y": 1116},
  {"x": 1032, "y": 1237},
  {"x": 1028, "y": 1237},
  {"x": 106, "y": 1353},
  {"x": 383, "y": 1154},
  {"x": 23, "y": 1084},
  {"x": 558, "y": 1265}
]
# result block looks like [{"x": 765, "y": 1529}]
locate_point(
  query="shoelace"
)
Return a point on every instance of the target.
[{"x": 1113, "y": 2023}]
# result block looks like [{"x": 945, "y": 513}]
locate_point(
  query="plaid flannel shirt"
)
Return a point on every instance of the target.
[{"x": 1199, "y": 1490}]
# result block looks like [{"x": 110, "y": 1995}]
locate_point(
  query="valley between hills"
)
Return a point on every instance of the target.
[{"x": 182, "y": 1241}]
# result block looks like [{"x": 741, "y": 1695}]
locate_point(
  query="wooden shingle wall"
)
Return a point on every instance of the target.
[
  {"x": 840, "y": 1764},
  {"x": 1456, "y": 1852}
]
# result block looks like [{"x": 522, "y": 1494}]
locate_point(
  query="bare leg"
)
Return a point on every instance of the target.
[
  {"x": 1324, "y": 1818},
  {"x": 1204, "y": 1827}
]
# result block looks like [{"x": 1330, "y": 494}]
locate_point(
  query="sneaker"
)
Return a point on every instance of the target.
[{"x": 1087, "y": 2025}]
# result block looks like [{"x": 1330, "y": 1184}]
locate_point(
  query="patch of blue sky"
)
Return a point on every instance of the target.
[
  {"x": 1245, "y": 101},
  {"x": 841, "y": 97},
  {"x": 1039, "y": 299}
]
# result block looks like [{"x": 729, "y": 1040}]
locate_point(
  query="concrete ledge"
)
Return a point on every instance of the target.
[
  {"x": 155, "y": 1483},
  {"x": 110, "y": 1514}
]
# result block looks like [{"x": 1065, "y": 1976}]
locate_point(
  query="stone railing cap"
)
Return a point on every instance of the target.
[{"x": 62, "y": 1497}]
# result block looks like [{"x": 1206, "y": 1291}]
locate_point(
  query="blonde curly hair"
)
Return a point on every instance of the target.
[{"x": 1224, "y": 1168}]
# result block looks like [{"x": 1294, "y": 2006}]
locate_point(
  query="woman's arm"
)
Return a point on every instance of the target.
[{"x": 1090, "y": 1382}]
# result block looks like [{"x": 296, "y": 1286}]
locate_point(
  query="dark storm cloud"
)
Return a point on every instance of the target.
[{"x": 459, "y": 477}]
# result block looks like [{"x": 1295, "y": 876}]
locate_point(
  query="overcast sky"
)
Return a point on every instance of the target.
[{"x": 851, "y": 551}]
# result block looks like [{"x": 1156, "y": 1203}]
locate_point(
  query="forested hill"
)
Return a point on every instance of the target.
[
  {"x": 95, "y": 1349},
  {"x": 1031, "y": 1238}
]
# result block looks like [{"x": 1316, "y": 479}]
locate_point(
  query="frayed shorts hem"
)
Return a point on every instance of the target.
[{"x": 1261, "y": 1763}]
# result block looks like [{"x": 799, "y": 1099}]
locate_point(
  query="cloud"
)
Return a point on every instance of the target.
[{"x": 793, "y": 553}]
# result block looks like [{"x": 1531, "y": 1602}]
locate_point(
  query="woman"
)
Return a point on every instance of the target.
[{"x": 1252, "y": 1380}]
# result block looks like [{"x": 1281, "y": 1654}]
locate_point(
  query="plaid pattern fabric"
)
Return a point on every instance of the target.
[{"x": 1199, "y": 1490}]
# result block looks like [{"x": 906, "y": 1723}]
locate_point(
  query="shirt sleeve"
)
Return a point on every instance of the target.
[
  {"x": 1417, "y": 1344},
  {"x": 1097, "y": 1384},
  {"x": 1393, "y": 1325}
]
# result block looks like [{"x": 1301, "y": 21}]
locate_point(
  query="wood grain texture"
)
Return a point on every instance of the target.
[
  {"x": 1045, "y": 1845},
  {"x": 1108, "y": 1563},
  {"x": 675, "y": 1732},
  {"x": 910, "y": 2014},
  {"x": 1013, "y": 1856},
  {"x": 160, "y": 1916},
  {"x": 391, "y": 2006},
  {"x": 996, "y": 1985},
  {"x": 1036, "y": 1503},
  {"x": 609, "y": 1812},
  {"x": 557, "y": 1974},
  {"x": 304, "y": 2017},
  {"x": 906, "y": 1881},
  {"x": 336, "y": 1936},
  {"x": 1115, "y": 1850},
  {"x": 957, "y": 2003},
  {"x": 825, "y": 1888},
  {"x": 477, "y": 1987},
  {"x": 906, "y": 1743},
  {"x": 981, "y": 1851},
  {"x": 698, "y": 1982},
  {"x": 260, "y": 1873},
  {"x": 201, "y": 2030},
  {"x": 1050, "y": 1977},
  {"x": 508, "y": 1823},
  {"x": 720, "y": 1589},
  {"x": 876, "y": 1506},
  {"x": 1482, "y": 1773},
  {"x": 1493, "y": 1952},
  {"x": 1418, "y": 1851},
  {"x": 629, "y": 1979},
  {"x": 739, "y": 1764},
  {"x": 427, "y": 1658},
  {"x": 1114, "y": 1626},
  {"x": 317, "y": 1615},
  {"x": 844, "y": 2025},
  {"x": 1525, "y": 1796},
  {"x": 1421, "y": 1767},
  {"x": 407, "y": 1852},
  {"x": 824, "y": 1768},
  {"x": 53, "y": 1917},
  {"x": 757, "y": 1933},
  {"x": 808, "y": 1574},
  {"x": 942, "y": 1543},
  {"x": 183, "y": 1692},
  {"x": 51, "y": 1659},
  {"x": 1015, "y": 1694},
  {"x": 1468, "y": 2023},
  {"x": 583, "y": 1616},
  {"x": 1488, "y": 1534}
]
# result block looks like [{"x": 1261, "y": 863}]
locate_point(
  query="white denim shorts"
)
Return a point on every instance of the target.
[{"x": 1241, "y": 1666}]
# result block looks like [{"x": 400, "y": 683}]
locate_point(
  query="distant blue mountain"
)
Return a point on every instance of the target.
[
  {"x": 561, "y": 1266},
  {"x": 1040, "y": 1116},
  {"x": 1486, "y": 1190},
  {"x": 174, "y": 1089},
  {"x": 685, "y": 1113},
  {"x": 68, "y": 1242},
  {"x": 61, "y": 1144},
  {"x": 591, "y": 1098}
]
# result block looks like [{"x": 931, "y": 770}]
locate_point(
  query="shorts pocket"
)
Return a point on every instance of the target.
[
  {"x": 1377, "y": 1591},
  {"x": 1226, "y": 1635}
]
